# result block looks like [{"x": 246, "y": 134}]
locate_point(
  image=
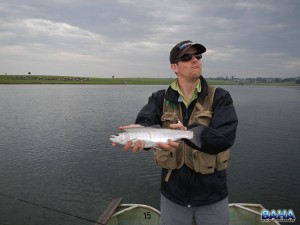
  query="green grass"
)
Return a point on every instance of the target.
[
  {"x": 30, "y": 79},
  {"x": 40, "y": 79}
]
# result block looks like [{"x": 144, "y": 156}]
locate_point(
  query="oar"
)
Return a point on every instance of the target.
[{"x": 109, "y": 211}]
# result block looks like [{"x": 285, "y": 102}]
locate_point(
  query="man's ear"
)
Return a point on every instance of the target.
[{"x": 174, "y": 67}]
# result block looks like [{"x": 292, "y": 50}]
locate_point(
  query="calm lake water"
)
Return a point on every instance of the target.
[{"x": 55, "y": 151}]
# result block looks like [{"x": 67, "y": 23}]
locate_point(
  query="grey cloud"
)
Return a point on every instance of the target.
[{"x": 133, "y": 38}]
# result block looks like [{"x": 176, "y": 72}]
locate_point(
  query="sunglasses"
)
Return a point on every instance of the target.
[{"x": 188, "y": 57}]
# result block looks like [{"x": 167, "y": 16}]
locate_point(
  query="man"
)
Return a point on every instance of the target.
[{"x": 193, "y": 180}]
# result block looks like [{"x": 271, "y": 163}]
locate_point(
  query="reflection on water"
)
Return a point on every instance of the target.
[{"x": 54, "y": 150}]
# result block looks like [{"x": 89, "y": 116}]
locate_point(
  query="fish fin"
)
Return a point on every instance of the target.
[
  {"x": 196, "y": 140},
  {"x": 131, "y": 129},
  {"x": 133, "y": 140}
]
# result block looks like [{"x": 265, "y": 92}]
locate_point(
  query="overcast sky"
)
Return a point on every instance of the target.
[{"x": 133, "y": 38}]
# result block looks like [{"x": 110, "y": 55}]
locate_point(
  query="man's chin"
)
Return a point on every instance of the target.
[{"x": 197, "y": 75}]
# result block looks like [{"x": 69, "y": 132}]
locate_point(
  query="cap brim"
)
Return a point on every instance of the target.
[{"x": 200, "y": 49}]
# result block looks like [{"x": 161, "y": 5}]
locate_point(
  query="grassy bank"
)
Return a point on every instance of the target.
[
  {"x": 37, "y": 79},
  {"x": 30, "y": 79}
]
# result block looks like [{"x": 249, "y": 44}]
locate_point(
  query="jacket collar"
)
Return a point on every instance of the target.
[{"x": 172, "y": 95}]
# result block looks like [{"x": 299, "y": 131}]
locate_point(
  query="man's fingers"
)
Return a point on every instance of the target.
[
  {"x": 173, "y": 143},
  {"x": 127, "y": 146},
  {"x": 162, "y": 145},
  {"x": 114, "y": 144},
  {"x": 178, "y": 126},
  {"x": 167, "y": 146},
  {"x": 129, "y": 126},
  {"x": 138, "y": 145},
  {"x": 142, "y": 146}
]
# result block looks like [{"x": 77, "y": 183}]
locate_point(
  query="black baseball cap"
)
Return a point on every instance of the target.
[{"x": 181, "y": 48}]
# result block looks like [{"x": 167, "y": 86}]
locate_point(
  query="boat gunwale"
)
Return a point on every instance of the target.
[
  {"x": 129, "y": 207},
  {"x": 244, "y": 206}
]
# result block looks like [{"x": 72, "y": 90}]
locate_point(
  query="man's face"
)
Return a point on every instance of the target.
[{"x": 190, "y": 69}]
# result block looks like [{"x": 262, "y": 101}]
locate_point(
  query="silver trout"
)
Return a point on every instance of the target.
[{"x": 150, "y": 135}]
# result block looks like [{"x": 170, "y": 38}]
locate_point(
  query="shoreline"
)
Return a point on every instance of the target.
[{"x": 41, "y": 79}]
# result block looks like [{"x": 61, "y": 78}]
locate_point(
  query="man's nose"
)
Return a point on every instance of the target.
[{"x": 194, "y": 58}]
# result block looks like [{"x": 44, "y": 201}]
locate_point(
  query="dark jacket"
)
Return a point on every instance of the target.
[{"x": 185, "y": 186}]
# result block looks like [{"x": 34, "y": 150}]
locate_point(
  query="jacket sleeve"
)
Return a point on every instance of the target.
[
  {"x": 220, "y": 134},
  {"x": 151, "y": 113}
]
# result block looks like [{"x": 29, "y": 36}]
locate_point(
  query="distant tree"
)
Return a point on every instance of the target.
[
  {"x": 298, "y": 81},
  {"x": 277, "y": 80},
  {"x": 29, "y": 73}
]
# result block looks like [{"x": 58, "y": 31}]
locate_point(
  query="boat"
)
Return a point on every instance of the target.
[
  {"x": 247, "y": 214},
  {"x": 135, "y": 214},
  {"x": 138, "y": 214}
]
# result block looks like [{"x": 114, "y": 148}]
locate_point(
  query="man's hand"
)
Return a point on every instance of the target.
[
  {"x": 172, "y": 144},
  {"x": 178, "y": 126},
  {"x": 168, "y": 146},
  {"x": 138, "y": 144}
]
